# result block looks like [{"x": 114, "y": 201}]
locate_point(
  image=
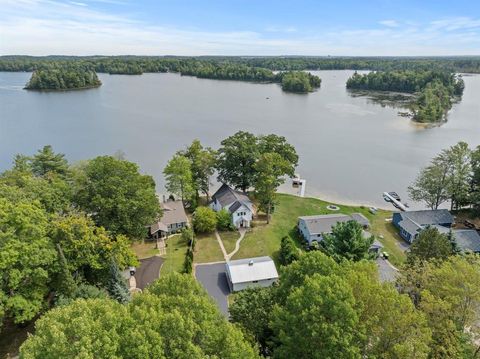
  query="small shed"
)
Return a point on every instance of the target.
[{"x": 251, "y": 272}]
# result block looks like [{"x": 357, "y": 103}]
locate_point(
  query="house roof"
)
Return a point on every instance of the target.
[
  {"x": 468, "y": 240},
  {"x": 236, "y": 205},
  {"x": 251, "y": 269},
  {"x": 173, "y": 212},
  {"x": 226, "y": 196},
  {"x": 324, "y": 223},
  {"x": 425, "y": 217}
]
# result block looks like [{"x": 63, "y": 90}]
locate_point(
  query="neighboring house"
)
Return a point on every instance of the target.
[
  {"x": 376, "y": 247},
  {"x": 411, "y": 223},
  {"x": 236, "y": 203},
  {"x": 173, "y": 220},
  {"x": 468, "y": 240},
  {"x": 251, "y": 272},
  {"x": 313, "y": 228}
]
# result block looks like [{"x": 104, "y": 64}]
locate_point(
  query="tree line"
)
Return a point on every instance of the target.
[
  {"x": 434, "y": 90},
  {"x": 135, "y": 64},
  {"x": 65, "y": 230},
  {"x": 453, "y": 175},
  {"x": 63, "y": 79}
]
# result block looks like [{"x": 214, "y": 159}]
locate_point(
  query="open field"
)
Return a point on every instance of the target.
[
  {"x": 265, "y": 239},
  {"x": 207, "y": 249},
  {"x": 175, "y": 257}
]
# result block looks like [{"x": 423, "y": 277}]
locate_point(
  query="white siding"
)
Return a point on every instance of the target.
[{"x": 261, "y": 283}]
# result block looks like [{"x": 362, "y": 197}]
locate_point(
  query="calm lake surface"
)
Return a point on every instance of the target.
[{"x": 351, "y": 148}]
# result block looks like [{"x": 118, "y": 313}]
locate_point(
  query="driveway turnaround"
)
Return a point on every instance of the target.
[
  {"x": 148, "y": 271},
  {"x": 213, "y": 278}
]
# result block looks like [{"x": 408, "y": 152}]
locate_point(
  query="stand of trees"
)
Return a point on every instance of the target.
[
  {"x": 451, "y": 176},
  {"x": 65, "y": 231},
  {"x": 434, "y": 89},
  {"x": 299, "y": 81},
  {"x": 63, "y": 79}
]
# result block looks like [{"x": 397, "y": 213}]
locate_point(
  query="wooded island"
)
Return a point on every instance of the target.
[
  {"x": 63, "y": 79},
  {"x": 434, "y": 90}
]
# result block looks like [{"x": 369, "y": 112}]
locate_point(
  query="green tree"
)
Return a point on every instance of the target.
[
  {"x": 475, "y": 180},
  {"x": 459, "y": 158},
  {"x": 117, "y": 196},
  {"x": 46, "y": 161},
  {"x": 224, "y": 220},
  {"x": 173, "y": 318},
  {"x": 347, "y": 241},
  {"x": 178, "y": 176},
  {"x": 288, "y": 251},
  {"x": 26, "y": 259},
  {"x": 237, "y": 156},
  {"x": 430, "y": 244},
  {"x": 202, "y": 166},
  {"x": 84, "y": 329},
  {"x": 252, "y": 310},
  {"x": 204, "y": 220},
  {"x": 116, "y": 284},
  {"x": 318, "y": 320},
  {"x": 278, "y": 144},
  {"x": 270, "y": 169},
  {"x": 431, "y": 185}
]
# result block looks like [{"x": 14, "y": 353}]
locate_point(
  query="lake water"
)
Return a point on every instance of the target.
[{"x": 351, "y": 148}]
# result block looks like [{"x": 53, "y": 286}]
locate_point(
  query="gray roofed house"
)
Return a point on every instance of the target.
[
  {"x": 251, "y": 272},
  {"x": 468, "y": 240},
  {"x": 236, "y": 203},
  {"x": 173, "y": 220},
  {"x": 411, "y": 223},
  {"x": 313, "y": 228}
]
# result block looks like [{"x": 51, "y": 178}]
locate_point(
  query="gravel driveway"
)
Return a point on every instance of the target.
[{"x": 213, "y": 278}]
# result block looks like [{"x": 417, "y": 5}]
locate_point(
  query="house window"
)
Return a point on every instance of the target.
[{"x": 255, "y": 281}]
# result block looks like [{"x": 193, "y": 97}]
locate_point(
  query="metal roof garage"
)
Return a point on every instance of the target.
[{"x": 251, "y": 272}]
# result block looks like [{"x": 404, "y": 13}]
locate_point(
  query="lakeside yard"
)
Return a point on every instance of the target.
[
  {"x": 265, "y": 239},
  {"x": 207, "y": 249}
]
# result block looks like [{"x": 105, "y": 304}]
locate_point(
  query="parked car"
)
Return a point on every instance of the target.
[{"x": 385, "y": 255}]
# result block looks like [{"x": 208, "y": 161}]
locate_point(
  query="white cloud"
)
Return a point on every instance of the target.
[
  {"x": 43, "y": 27},
  {"x": 389, "y": 23}
]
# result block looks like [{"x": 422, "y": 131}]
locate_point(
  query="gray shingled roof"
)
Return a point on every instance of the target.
[
  {"x": 467, "y": 240},
  {"x": 410, "y": 226},
  {"x": 226, "y": 196},
  {"x": 323, "y": 223},
  {"x": 173, "y": 212},
  {"x": 234, "y": 207},
  {"x": 426, "y": 217}
]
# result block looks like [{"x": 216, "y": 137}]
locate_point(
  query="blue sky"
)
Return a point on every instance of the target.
[{"x": 240, "y": 27}]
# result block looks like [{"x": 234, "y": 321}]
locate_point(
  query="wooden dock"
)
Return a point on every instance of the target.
[{"x": 396, "y": 203}]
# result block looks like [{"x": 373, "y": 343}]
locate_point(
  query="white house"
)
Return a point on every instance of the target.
[
  {"x": 235, "y": 202},
  {"x": 251, "y": 272},
  {"x": 313, "y": 228}
]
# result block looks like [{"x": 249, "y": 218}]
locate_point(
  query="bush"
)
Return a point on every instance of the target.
[
  {"x": 288, "y": 251},
  {"x": 224, "y": 221},
  {"x": 204, "y": 220},
  {"x": 188, "y": 263}
]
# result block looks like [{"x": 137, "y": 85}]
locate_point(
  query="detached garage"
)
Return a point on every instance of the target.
[{"x": 251, "y": 272}]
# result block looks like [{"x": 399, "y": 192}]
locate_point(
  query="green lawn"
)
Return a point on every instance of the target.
[
  {"x": 229, "y": 239},
  {"x": 176, "y": 250},
  {"x": 207, "y": 249},
  {"x": 144, "y": 249},
  {"x": 265, "y": 239}
]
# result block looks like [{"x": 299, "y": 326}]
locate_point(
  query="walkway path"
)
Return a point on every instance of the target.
[
  {"x": 237, "y": 243},
  {"x": 161, "y": 247},
  {"x": 222, "y": 247}
]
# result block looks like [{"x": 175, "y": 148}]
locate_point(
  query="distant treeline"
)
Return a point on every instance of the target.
[
  {"x": 434, "y": 89},
  {"x": 63, "y": 79},
  {"x": 140, "y": 64}
]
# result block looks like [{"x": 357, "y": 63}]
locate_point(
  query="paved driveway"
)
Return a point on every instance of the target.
[
  {"x": 213, "y": 278},
  {"x": 148, "y": 271},
  {"x": 385, "y": 271}
]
